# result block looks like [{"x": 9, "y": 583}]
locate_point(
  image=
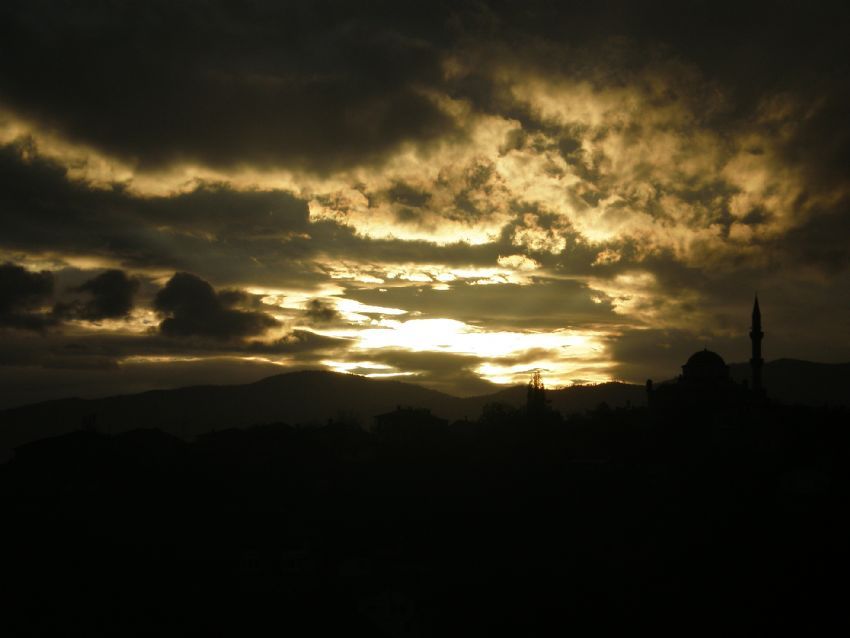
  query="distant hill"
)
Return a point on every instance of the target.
[
  {"x": 572, "y": 399},
  {"x": 315, "y": 396},
  {"x": 297, "y": 397}
]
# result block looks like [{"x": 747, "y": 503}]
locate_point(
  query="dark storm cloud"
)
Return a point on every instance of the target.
[
  {"x": 316, "y": 84},
  {"x": 775, "y": 68},
  {"x": 393, "y": 251},
  {"x": 44, "y": 211},
  {"x": 408, "y": 195},
  {"x": 265, "y": 238},
  {"x": 239, "y": 298},
  {"x": 303, "y": 343},
  {"x": 821, "y": 242},
  {"x": 330, "y": 84},
  {"x": 110, "y": 295},
  {"x": 215, "y": 211},
  {"x": 192, "y": 308},
  {"x": 33, "y": 368},
  {"x": 98, "y": 350},
  {"x": 22, "y": 293},
  {"x": 750, "y": 45},
  {"x": 546, "y": 304},
  {"x": 233, "y": 237},
  {"x": 319, "y": 311}
]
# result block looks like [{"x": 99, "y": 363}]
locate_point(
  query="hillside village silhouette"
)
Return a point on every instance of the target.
[{"x": 713, "y": 509}]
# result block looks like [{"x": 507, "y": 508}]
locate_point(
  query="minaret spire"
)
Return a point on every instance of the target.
[{"x": 756, "y": 362}]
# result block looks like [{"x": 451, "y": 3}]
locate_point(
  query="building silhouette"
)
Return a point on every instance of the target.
[{"x": 706, "y": 383}]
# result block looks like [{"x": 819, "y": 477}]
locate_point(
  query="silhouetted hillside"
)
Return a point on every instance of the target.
[
  {"x": 297, "y": 397},
  {"x": 577, "y": 398},
  {"x": 316, "y": 396}
]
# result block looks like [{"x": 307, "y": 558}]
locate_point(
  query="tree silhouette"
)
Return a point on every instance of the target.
[{"x": 536, "y": 395}]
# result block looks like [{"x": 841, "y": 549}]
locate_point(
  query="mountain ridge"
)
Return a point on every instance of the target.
[
  {"x": 299, "y": 397},
  {"x": 315, "y": 396}
]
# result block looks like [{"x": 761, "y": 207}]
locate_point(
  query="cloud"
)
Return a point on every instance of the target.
[
  {"x": 191, "y": 308},
  {"x": 232, "y": 237},
  {"x": 451, "y": 373},
  {"x": 545, "y": 304},
  {"x": 319, "y": 311},
  {"x": 821, "y": 242},
  {"x": 110, "y": 297},
  {"x": 300, "y": 342},
  {"x": 518, "y": 262},
  {"x": 242, "y": 238},
  {"x": 610, "y": 169},
  {"x": 320, "y": 87},
  {"x": 100, "y": 363},
  {"x": 22, "y": 295}
]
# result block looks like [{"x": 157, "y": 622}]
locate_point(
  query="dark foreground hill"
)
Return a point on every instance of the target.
[
  {"x": 614, "y": 522},
  {"x": 298, "y": 397}
]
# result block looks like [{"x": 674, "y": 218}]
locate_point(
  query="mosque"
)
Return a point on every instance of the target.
[{"x": 706, "y": 383}]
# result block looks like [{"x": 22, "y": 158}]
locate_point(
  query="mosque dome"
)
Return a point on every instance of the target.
[{"x": 705, "y": 365}]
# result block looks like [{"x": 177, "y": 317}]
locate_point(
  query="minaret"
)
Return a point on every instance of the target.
[{"x": 756, "y": 362}]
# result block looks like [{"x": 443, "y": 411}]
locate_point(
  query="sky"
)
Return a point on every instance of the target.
[{"x": 448, "y": 193}]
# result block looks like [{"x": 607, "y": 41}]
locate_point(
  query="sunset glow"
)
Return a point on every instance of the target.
[{"x": 478, "y": 211}]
